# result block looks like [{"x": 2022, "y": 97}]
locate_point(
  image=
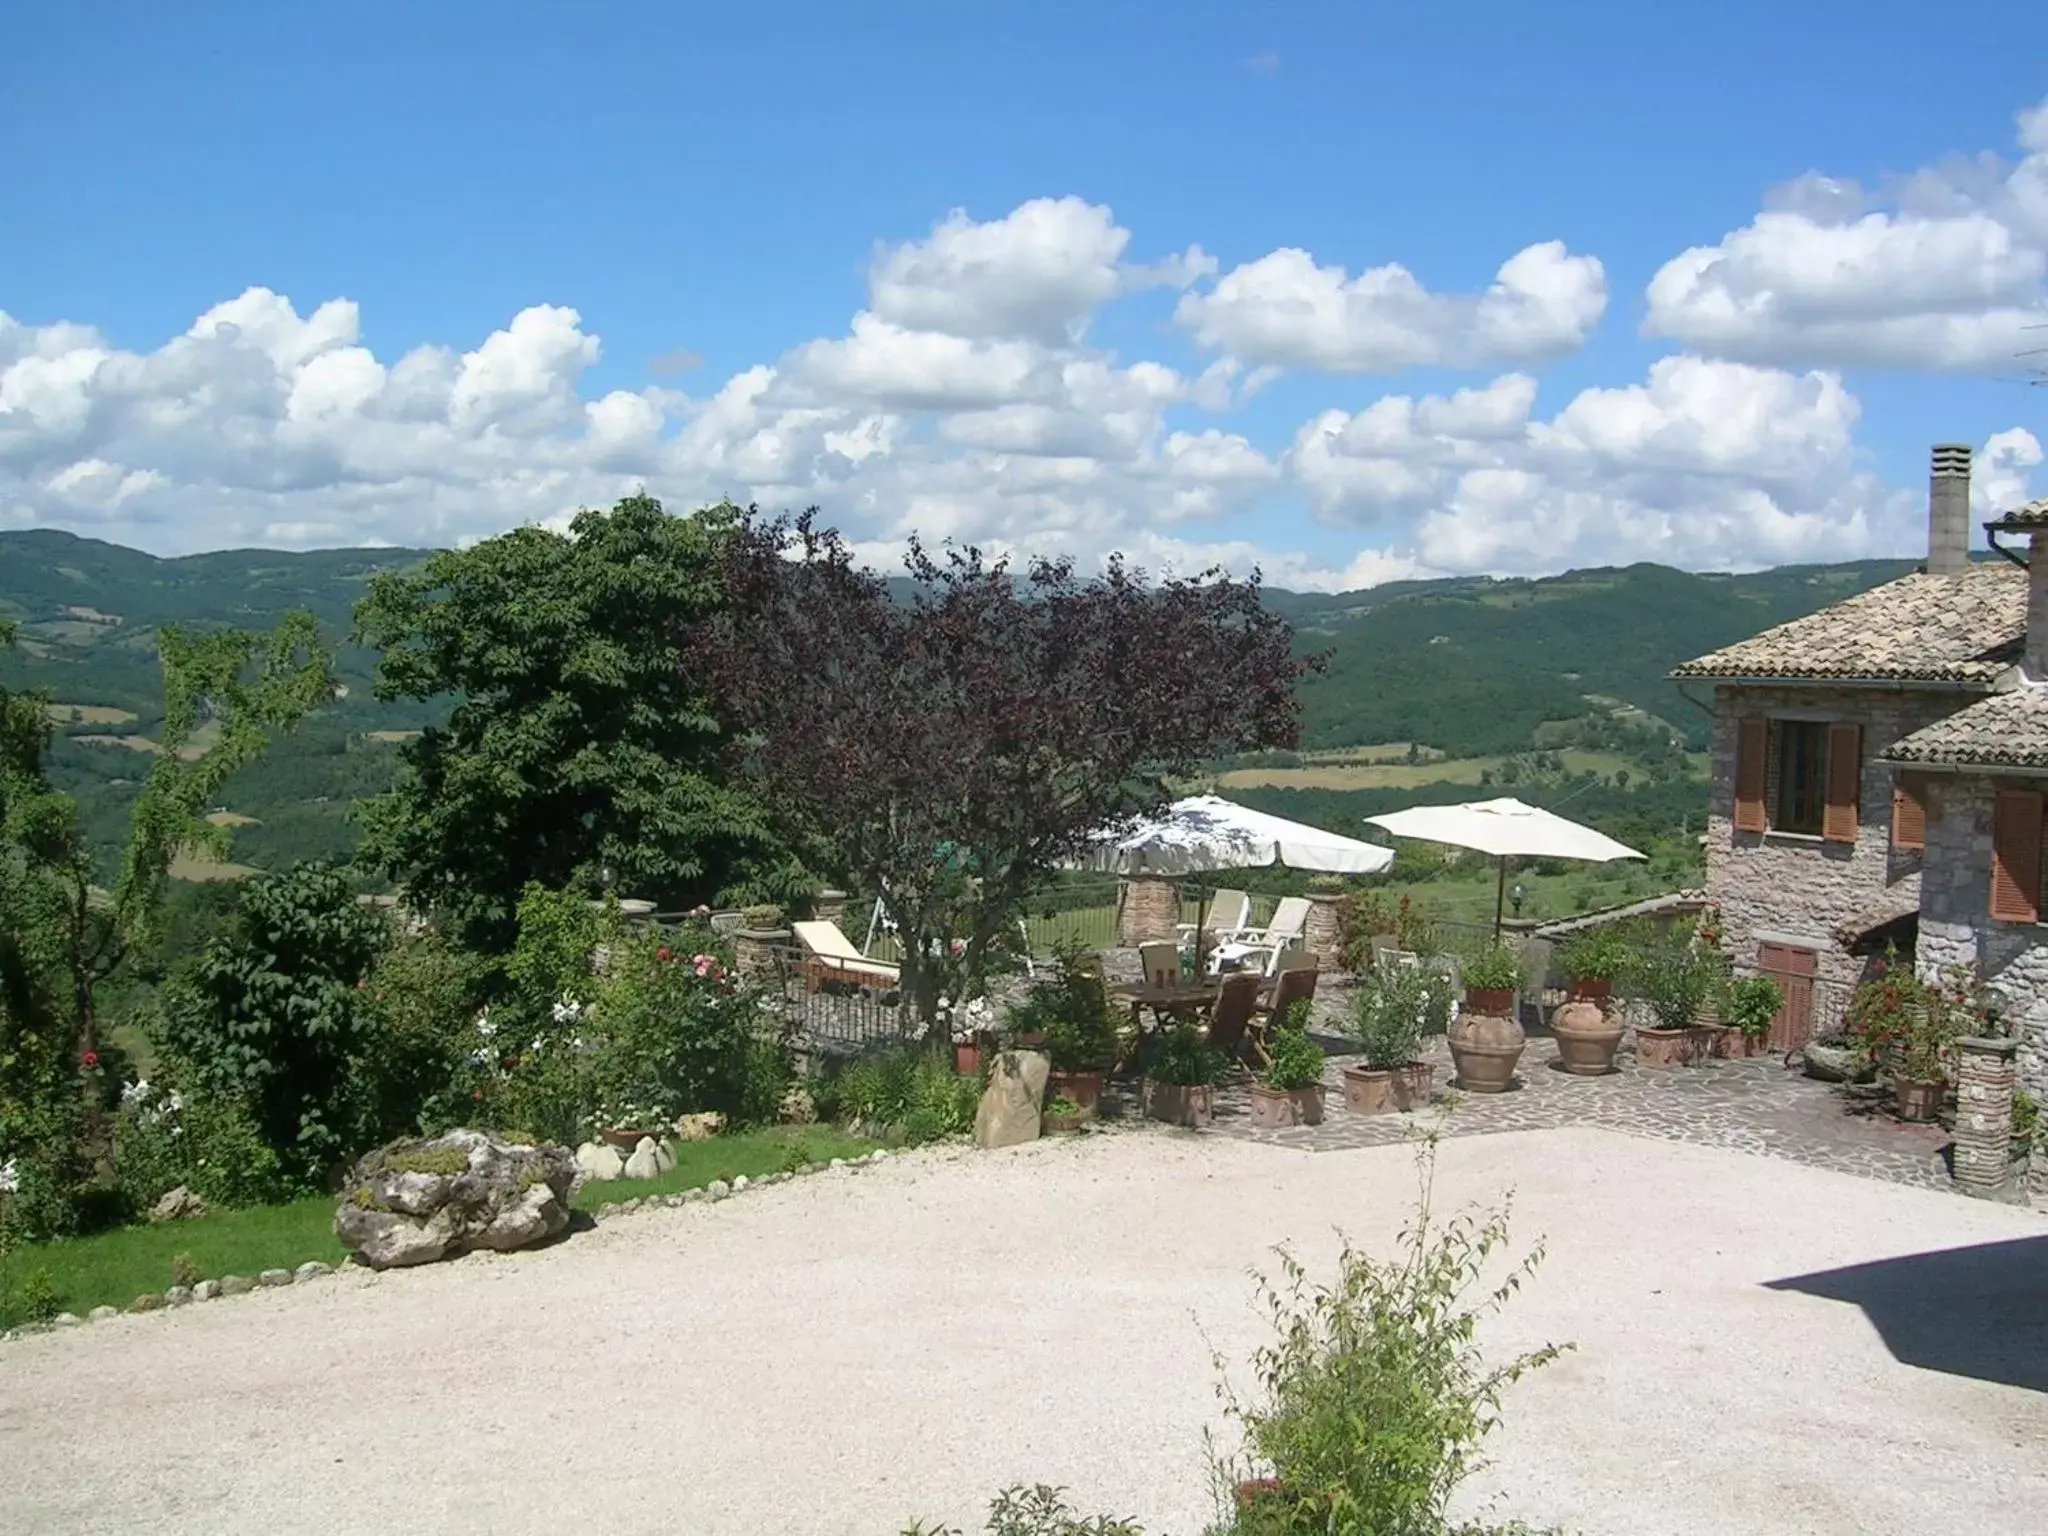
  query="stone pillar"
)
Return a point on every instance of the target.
[
  {"x": 1320, "y": 934},
  {"x": 753, "y": 952},
  {"x": 829, "y": 906},
  {"x": 1984, "y": 1083},
  {"x": 1151, "y": 908}
]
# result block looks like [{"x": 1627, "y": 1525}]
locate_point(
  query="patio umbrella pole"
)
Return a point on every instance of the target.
[{"x": 1500, "y": 896}]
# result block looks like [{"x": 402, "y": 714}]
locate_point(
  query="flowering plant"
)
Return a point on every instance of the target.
[{"x": 1907, "y": 1024}]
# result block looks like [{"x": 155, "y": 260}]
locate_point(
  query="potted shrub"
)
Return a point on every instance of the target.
[
  {"x": 1676, "y": 976},
  {"x": 1486, "y": 1039},
  {"x": 1290, "y": 1091},
  {"x": 1181, "y": 1086},
  {"x": 1908, "y": 1028},
  {"x": 1063, "y": 1114},
  {"x": 1389, "y": 1005},
  {"x": 1748, "y": 1004},
  {"x": 1594, "y": 959}
]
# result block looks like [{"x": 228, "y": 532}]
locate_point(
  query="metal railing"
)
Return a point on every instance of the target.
[{"x": 830, "y": 1009}]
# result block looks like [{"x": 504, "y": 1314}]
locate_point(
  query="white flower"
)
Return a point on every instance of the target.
[
  {"x": 135, "y": 1092},
  {"x": 176, "y": 1101},
  {"x": 567, "y": 1010},
  {"x": 538, "y": 1042},
  {"x": 10, "y": 1177},
  {"x": 479, "y": 1058},
  {"x": 484, "y": 1026}
]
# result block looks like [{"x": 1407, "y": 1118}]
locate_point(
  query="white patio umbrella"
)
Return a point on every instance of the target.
[
  {"x": 1209, "y": 832},
  {"x": 1506, "y": 829}
]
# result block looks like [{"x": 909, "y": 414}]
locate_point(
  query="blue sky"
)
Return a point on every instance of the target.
[{"x": 1137, "y": 364}]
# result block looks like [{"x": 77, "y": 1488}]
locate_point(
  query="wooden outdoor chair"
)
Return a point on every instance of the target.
[
  {"x": 831, "y": 959},
  {"x": 1295, "y": 984},
  {"x": 1230, "y": 1021}
]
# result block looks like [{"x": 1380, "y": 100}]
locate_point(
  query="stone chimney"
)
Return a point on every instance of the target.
[{"x": 1948, "y": 510}]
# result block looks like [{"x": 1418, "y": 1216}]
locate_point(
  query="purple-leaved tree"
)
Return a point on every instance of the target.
[{"x": 958, "y": 743}]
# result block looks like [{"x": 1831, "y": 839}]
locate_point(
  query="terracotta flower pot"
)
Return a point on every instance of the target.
[
  {"x": 1487, "y": 1045},
  {"x": 1378, "y": 1091},
  {"x": 1189, "y": 1104},
  {"x": 1734, "y": 1045},
  {"x": 1587, "y": 1038},
  {"x": 1498, "y": 1001},
  {"x": 1053, "y": 1124},
  {"x": 1673, "y": 1047},
  {"x": 1591, "y": 989},
  {"x": 1278, "y": 1109},
  {"x": 1917, "y": 1101},
  {"x": 623, "y": 1139},
  {"x": 967, "y": 1060},
  {"x": 1084, "y": 1088}
]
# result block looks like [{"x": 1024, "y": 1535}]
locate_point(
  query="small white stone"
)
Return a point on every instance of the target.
[
  {"x": 275, "y": 1277},
  {"x": 739, "y": 1183},
  {"x": 101, "y": 1314},
  {"x": 717, "y": 1189},
  {"x": 178, "y": 1296},
  {"x": 67, "y": 1320},
  {"x": 838, "y": 1162},
  {"x": 313, "y": 1269},
  {"x": 206, "y": 1290}
]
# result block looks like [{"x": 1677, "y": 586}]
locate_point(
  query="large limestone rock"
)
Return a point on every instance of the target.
[
  {"x": 600, "y": 1163},
  {"x": 417, "y": 1201},
  {"x": 179, "y": 1204},
  {"x": 699, "y": 1127},
  {"x": 644, "y": 1163},
  {"x": 1010, "y": 1105}
]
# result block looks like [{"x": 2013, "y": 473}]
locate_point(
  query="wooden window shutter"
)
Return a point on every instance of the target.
[
  {"x": 1751, "y": 753},
  {"x": 1909, "y": 815},
  {"x": 1845, "y": 783},
  {"x": 2016, "y": 857}
]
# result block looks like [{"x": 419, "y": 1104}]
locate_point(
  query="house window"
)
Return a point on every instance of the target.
[{"x": 1802, "y": 776}]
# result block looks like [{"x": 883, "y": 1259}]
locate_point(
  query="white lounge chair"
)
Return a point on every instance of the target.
[
  {"x": 1229, "y": 912},
  {"x": 1290, "y": 921},
  {"x": 834, "y": 958}
]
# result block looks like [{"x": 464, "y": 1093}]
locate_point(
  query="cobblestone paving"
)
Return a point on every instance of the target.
[{"x": 1746, "y": 1106}]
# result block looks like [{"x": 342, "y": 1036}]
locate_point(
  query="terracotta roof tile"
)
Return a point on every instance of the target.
[
  {"x": 2033, "y": 515},
  {"x": 1965, "y": 628},
  {"x": 2007, "y": 730}
]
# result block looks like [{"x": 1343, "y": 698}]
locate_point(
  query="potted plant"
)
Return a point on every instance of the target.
[
  {"x": 1390, "y": 1007},
  {"x": 1486, "y": 1039},
  {"x": 1748, "y": 1004},
  {"x": 1908, "y": 1028},
  {"x": 1180, "y": 1088},
  {"x": 1676, "y": 976},
  {"x": 1594, "y": 958},
  {"x": 1063, "y": 1114},
  {"x": 972, "y": 1037},
  {"x": 1290, "y": 1091}
]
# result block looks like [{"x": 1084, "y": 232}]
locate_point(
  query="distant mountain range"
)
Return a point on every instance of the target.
[{"x": 1468, "y": 666}]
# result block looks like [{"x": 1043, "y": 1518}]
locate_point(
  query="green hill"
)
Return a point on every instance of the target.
[{"x": 1532, "y": 681}]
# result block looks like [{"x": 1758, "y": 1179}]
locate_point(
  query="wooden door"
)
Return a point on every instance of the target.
[{"x": 1793, "y": 970}]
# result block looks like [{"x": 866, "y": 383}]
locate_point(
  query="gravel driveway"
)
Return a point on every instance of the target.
[{"x": 846, "y": 1353}]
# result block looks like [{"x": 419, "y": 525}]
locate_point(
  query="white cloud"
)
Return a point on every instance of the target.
[
  {"x": 1284, "y": 310},
  {"x": 967, "y": 401},
  {"x": 1040, "y": 272},
  {"x": 1948, "y": 270},
  {"x": 1704, "y": 464},
  {"x": 2002, "y": 476}
]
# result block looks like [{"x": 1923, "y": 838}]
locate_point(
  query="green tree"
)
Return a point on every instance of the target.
[
  {"x": 274, "y": 1016},
  {"x": 581, "y": 740},
  {"x": 62, "y": 937}
]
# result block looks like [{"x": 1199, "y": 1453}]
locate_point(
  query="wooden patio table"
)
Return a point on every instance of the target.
[{"x": 1190, "y": 1000}]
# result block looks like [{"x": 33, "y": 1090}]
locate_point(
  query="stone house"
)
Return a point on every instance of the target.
[{"x": 1879, "y": 770}]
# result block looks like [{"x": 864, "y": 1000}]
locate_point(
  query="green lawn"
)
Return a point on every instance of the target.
[
  {"x": 752, "y": 1153},
  {"x": 113, "y": 1268}
]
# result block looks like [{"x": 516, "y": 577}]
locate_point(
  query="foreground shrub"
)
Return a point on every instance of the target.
[
  {"x": 1373, "y": 1397},
  {"x": 1039, "y": 1511},
  {"x": 165, "y": 1136},
  {"x": 908, "y": 1089},
  {"x": 273, "y": 1017}
]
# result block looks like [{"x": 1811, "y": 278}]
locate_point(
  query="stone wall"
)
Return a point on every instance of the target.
[
  {"x": 1149, "y": 910},
  {"x": 1956, "y": 926},
  {"x": 1795, "y": 889}
]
